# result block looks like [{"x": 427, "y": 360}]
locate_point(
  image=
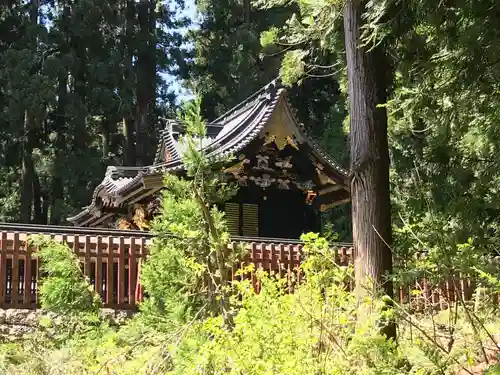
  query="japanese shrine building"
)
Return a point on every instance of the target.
[{"x": 285, "y": 178}]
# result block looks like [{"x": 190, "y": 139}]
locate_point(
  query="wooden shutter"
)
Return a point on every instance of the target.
[
  {"x": 232, "y": 211},
  {"x": 250, "y": 225}
]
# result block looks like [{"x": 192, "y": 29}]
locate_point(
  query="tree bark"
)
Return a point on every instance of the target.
[
  {"x": 127, "y": 86},
  {"x": 38, "y": 201},
  {"x": 79, "y": 73},
  {"x": 60, "y": 147},
  {"x": 28, "y": 168},
  {"x": 146, "y": 76},
  {"x": 27, "y": 173},
  {"x": 57, "y": 188},
  {"x": 371, "y": 216}
]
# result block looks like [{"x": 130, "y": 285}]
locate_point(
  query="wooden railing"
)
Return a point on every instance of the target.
[
  {"x": 279, "y": 258},
  {"x": 111, "y": 259},
  {"x": 111, "y": 263}
]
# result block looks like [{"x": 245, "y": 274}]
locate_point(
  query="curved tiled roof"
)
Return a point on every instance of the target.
[
  {"x": 227, "y": 135},
  {"x": 167, "y": 142}
]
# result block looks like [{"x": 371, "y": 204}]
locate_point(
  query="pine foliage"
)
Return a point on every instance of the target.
[{"x": 64, "y": 289}]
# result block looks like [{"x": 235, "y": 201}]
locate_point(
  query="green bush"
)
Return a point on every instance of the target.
[
  {"x": 311, "y": 331},
  {"x": 185, "y": 275},
  {"x": 64, "y": 289}
]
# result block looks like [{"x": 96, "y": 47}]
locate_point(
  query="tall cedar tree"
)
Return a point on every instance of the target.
[{"x": 371, "y": 214}]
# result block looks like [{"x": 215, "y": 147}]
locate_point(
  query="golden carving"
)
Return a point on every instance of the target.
[
  {"x": 291, "y": 142},
  {"x": 323, "y": 178},
  {"x": 277, "y": 130},
  {"x": 124, "y": 224},
  {"x": 237, "y": 168},
  {"x": 280, "y": 142},
  {"x": 139, "y": 218},
  {"x": 310, "y": 197},
  {"x": 268, "y": 139}
]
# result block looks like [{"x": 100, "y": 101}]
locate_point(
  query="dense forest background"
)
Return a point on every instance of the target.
[
  {"x": 89, "y": 83},
  {"x": 85, "y": 84}
]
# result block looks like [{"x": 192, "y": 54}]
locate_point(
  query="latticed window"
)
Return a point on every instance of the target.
[
  {"x": 242, "y": 219},
  {"x": 233, "y": 218}
]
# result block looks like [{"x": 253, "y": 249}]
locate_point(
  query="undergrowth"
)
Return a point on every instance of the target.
[{"x": 315, "y": 330}]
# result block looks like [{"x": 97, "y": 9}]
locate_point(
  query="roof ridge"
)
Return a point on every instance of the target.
[
  {"x": 314, "y": 144},
  {"x": 274, "y": 83}
]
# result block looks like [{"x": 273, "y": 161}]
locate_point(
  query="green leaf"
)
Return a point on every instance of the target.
[{"x": 269, "y": 37}]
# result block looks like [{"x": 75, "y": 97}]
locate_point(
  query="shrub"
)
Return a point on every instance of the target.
[
  {"x": 311, "y": 331},
  {"x": 64, "y": 289},
  {"x": 186, "y": 274}
]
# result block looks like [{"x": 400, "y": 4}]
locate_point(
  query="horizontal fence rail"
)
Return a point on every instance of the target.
[
  {"x": 111, "y": 264},
  {"x": 111, "y": 260}
]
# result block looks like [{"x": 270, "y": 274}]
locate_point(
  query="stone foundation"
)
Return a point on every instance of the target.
[{"x": 15, "y": 323}]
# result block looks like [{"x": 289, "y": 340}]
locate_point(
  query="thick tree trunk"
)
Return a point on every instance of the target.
[
  {"x": 38, "y": 202},
  {"x": 57, "y": 188},
  {"x": 146, "y": 76},
  {"x": 128, "y": 141},
  {"x": 31, "y": 199},
  {"x": 28, "y": 168},
  {"x": 26, "y": 191},
  {"x": 79, "y": 76},
  {"x": 372, "y": 235},
  {"x": 127, "y": 87},
  {"x": 27, "y": 173}
]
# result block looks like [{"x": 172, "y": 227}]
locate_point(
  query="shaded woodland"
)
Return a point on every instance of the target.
[
  {"x": 87, "y": 84},
  {"x": 403, "y": 93}
]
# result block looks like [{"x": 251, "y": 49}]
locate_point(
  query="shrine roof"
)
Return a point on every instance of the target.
[{"x": 226, "y": 135}]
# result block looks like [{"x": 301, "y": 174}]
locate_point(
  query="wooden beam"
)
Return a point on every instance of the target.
[
  {"x": 144, "y": 195},
  {"x": 325, "y": 207},
  {"x": 153, "y": 181},
  {"x": 330, "y": 189}
]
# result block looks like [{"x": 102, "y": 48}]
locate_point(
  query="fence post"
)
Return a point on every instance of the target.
[
  {"x": 110, "y": 287},
  {"x": 27, "y": 274},
  {"x": 121, "y": 271},
  {"x": 253, "y": 256},
  {"x": 3, "y": 267},
  {"x": 87, "y": 263},
  {"x": 138, "y": 290},
  {"x": 98, "y": 271},
  {"x": 15, "y": 271},
  {"x": 132, "y": 267}
]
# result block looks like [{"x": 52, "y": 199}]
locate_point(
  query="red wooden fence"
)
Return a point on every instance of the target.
[
  {"x": 112, "y": 264},
  {"x": 279, "y": 259}
]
